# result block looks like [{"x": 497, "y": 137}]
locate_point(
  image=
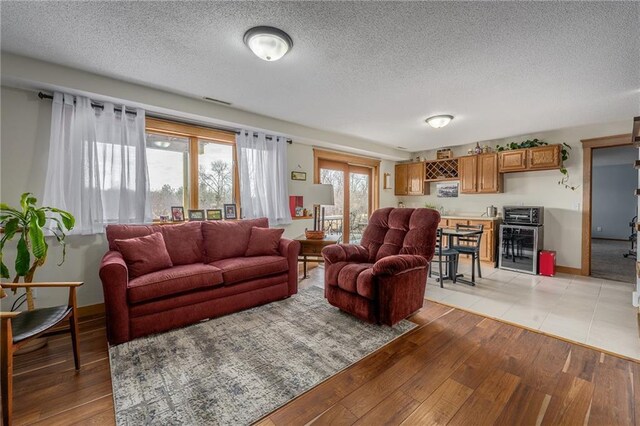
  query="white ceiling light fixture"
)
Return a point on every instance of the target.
[
  {"x": 438, "y": 121},
  {"x": 268, "y": 43}
]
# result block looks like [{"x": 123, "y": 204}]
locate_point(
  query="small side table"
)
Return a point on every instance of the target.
[{"x": 313, "y": 248}]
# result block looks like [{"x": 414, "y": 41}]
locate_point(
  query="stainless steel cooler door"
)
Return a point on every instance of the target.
[{"x": 519, "y": 248}]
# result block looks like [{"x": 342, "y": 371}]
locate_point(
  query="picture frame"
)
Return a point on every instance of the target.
[
  {"x": 447, "y": 189},
  {"x": 298, "y": 175},
  {"x": 177, "y": 214},
  {"x": 197, "y": 214},
  {"x": 386, "y": 181},
  {"x": 214, "y": 214},
  {"x": 230, "y": 211}
]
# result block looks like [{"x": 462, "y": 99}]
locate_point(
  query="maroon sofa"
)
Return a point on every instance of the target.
[
  {"x": 212, "y": 274},
  {"x": 383, "y": 279}
]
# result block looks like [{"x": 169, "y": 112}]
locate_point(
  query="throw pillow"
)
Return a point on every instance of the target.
[
  {"x": 224, "y": 239},
  {"x": 184, "y": 243},
  {"x": 144, "y": 255},
  {"x": 264, "y": 242}
]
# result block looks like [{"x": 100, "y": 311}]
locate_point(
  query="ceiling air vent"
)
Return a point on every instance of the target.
[{"x": 217, "y": 101}]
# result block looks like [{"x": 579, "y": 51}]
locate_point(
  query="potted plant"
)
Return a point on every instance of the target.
[{"x": 28, "y": 223}]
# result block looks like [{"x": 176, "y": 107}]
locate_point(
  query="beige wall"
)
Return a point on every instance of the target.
[
  {"x": 25, "y": 124},
  {"x": 563, "y": 207}
]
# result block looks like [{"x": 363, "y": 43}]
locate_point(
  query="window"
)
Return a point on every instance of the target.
[{"x": 189, "y": 166}]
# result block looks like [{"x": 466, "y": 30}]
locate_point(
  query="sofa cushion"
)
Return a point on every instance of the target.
[
  {"x": 239, "y": 269},
  {"x": 175, "y": 280},
  {"x": 124, "y": 232},
  {"x": 357, "y": 278},
  {"x": 264, "y": 241},
  {"x": 228, "y": 239},
  {"x": 144, "y": 254},
  {"x": 184, "y": 242}
]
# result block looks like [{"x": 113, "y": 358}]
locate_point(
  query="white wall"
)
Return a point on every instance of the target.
[
  {"x": 613, "y": 192},
  {"x": 563, "y": 207},
  {"x": 25, "y": 124}
]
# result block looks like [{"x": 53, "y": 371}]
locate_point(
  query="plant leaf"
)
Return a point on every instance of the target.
[
  {"x": 42, "y": 217},
  {"x": 4, "y": 271},
  {"x": 23, "y": 258},
  {"x": 36, "y": 236},
  {"x": 10, "y": 228}
]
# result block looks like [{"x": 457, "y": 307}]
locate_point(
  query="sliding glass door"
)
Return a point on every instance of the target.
[{"x": 352, "y": 197}]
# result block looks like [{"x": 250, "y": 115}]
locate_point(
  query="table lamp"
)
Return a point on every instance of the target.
[{"x": 321, "y": 195}]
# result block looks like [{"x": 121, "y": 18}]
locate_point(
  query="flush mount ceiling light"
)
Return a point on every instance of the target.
[
  {"x": 438, "y": 121},
  {"x": 268, "y": 43}
]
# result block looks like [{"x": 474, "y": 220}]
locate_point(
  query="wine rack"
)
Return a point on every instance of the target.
[{"x": 441, "y": 170}]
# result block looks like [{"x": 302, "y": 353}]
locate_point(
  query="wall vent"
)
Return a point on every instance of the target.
[{"x": 217, "y": 101}]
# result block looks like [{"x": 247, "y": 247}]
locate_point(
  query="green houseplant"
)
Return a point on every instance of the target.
[
  {"x": 532, "y": 143},
  {"x": 28, "y": 223}
]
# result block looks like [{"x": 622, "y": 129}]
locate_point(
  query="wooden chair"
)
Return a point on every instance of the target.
[
  {"x": 471, "y": 245},
  {"x": 17, "y": 328}
]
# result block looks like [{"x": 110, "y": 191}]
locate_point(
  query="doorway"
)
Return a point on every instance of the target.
[
  {"x": 614, "y": 211},
  {"x": 610, "y": 208},
  {"x": 352, "y": 199}
]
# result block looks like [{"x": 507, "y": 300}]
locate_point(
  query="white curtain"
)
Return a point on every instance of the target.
[
  {"x": 264, "y": 188},
  {"x": 97, "y": 166}
]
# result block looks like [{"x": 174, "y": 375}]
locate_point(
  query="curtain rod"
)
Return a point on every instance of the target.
[{"x": 43, "y": 95}]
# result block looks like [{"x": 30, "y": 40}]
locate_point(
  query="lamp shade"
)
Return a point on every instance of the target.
[{"x": 322, "y": 194}]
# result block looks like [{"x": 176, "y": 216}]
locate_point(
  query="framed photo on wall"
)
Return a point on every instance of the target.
[
  {"x": 196, "y": 214},
  {"x": 214, "y": 214},
  {"x": 298, "y": 175},
  {"x": 230, "y": 211},
  {"x": 177, "y": 213},
  {"x": 447, "y": 189}
]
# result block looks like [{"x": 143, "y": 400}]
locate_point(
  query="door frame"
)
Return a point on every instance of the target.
[
  {"x": 588, "y": 145},
  {"x": 348, "y": 160}
]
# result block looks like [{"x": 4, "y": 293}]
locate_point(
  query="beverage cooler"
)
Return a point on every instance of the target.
[{"x": 521, "y": 237}]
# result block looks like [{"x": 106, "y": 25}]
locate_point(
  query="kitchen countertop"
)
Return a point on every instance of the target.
[{"x": 463, "y": 217}]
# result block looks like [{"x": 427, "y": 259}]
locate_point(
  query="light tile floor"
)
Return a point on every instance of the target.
[{"x": 588, "y": 310}]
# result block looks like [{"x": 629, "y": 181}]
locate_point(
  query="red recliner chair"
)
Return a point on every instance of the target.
[{"x": 383, "y": 279}]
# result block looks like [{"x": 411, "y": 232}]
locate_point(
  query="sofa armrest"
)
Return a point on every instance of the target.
[
  {"x": 290, "y": 249},
  {"x": 115, "y": 278},
  {"x": 397, "y": 264},
  {"x": 345, "y": 253}
]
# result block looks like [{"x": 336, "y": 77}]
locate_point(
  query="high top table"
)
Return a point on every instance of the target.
[{"x": 452, "y": 233}]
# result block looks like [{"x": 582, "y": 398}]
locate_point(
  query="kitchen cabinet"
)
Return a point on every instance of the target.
[
  {"x": 479, "y": 174},
  {"x": 512, "y": 161},
  {"x": 409, "y": 179},
  {"x": 401, "y": 183},
  {"x": 528, "y": 159},
  {"x": 488, "y": 246},
  {"x": 545, "y": 157}
]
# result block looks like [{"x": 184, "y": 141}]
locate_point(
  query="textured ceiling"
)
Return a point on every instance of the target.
[{"x": 373, "y": 70}]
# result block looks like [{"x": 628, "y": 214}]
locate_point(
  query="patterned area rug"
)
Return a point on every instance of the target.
[{"x": 235, "y": 369}]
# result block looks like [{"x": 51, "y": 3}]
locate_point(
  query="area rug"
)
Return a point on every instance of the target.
[{"x": 235, "y": 369}]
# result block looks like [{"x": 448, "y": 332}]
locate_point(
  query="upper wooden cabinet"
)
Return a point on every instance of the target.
[
  {"x": 539, "y": 158},
  {"x": 409, "y": 179},
  {"x": 401, "y": 183},
  {"x": 479, "y": 174},
  {"x": 468, "y": 172},
  {"x": 512, "y": 161},
  {"x": 545, "y": 157}
]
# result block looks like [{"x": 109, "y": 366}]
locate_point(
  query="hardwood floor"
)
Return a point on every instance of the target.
[{"x": 455, "y": 368}]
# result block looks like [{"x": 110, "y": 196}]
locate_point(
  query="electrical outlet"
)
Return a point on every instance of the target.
[
  {"x": 599, "y": 228},
  {"x": 635, "y": 301}
]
